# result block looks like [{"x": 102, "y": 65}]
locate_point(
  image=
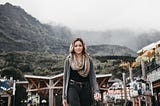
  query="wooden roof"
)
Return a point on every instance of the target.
[
  {"x": 41, "y": 84},
  {"x": 156, "y": 84}
]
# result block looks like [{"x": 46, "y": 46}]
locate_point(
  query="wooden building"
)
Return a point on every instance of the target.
[
  {"x": 52, "y": 86},
  {"x": 154, "y": 77}
]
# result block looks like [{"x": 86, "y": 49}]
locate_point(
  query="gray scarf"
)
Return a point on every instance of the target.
[{"x": 82, "y": 66}]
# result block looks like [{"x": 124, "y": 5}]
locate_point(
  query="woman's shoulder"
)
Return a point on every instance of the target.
[
  {"x": 90, "y": 58},
  {"x": 67, "y": 57}
]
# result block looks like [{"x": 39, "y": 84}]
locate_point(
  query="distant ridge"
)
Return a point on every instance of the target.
[
  {"x": 19, "y": 31},
  {"x": 133, "y": 39},
  {"x": 108, "y": 50}
]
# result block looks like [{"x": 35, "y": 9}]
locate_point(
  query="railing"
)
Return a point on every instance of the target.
[{"x": 154, "y": 75}]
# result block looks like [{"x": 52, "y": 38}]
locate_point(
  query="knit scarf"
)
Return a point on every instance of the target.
[{"x": 82, "y": 66}]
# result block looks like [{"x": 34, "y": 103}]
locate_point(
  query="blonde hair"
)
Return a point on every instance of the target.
[{"x": 71, "y": 49}]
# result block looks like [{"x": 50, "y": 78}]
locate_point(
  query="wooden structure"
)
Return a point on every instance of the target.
[
  {"x": 52, "y": 86},
  {"x": 42, "y": 85},
  {"x": 154, "y": 77},
  {"x": 5, "y": 95},
  {"x": 151, "y": 54}
]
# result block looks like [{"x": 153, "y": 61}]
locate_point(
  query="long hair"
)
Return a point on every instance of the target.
[{"x": 71, "y": 49}]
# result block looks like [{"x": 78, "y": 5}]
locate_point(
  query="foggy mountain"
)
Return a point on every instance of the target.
[
  {"x": 134, "y": 40},
  {"x": 28, "y": 46},
  {"x": 19, "y": 31},
  {"x": 110, "y": 50}
]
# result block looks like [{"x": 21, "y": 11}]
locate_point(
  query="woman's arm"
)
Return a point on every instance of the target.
[
  {"x": 64, "y": 81},
  {"x": 93, "y": 81}
]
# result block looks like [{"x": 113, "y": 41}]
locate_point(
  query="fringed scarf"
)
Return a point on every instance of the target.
[{"x": 82, "y": 66}]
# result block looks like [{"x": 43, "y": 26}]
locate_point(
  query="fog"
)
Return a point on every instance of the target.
[
  {"x": 134, "y": 40},
  {"x": 94, "y": 14}
]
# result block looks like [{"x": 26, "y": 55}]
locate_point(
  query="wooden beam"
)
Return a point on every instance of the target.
[
  {"x": 47, "y": 84},
  {"x": 30, "y": 85},
  {"x": 102, "y": 82},
  {"x": 25, "y": 86},
  {"x": 39, "y": 85},
  {"x": 57, "y": 82},
  {"x": 57, "y": 87},
  {"x": 33, "y": 90},
  {"x": 156, "y": 85},
  {"x": 33, "y": 83}
]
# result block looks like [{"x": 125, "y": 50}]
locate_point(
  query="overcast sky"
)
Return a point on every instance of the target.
[{"x": 94, "y": 14}]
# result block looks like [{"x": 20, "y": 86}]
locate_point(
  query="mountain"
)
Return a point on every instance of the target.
[
  {"x": 133, "y": 39},
  {"x": 28, "y": 46},
  {"x": 110, "y": 50},
  {"x": 19, "y": 31}
]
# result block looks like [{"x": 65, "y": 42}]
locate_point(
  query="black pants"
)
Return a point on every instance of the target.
[{"x": 79, "y": 95}]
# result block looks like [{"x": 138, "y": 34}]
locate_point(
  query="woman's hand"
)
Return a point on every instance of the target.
[
  {"x": 97, "y": 96},
  {"x": 65, "y": 102}
]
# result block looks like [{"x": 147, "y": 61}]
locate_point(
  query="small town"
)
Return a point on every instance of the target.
[
  {"x": 79, "y": 53},
  {"x": 140, "y": 90}
]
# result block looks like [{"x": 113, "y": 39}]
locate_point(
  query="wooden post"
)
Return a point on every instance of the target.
[
  {"x": 143, "y": 70},
  {"x": 14, "y": 91},
  {"x": 51, "y": 91},
  {"x": 131, "y": 79},
  {"x": 147, "y": 99},
  {"x": 131, "y": 73},
  {"x": 139, "y": 101},
  {"x": 124, "y": 84},
  {"x": 54, "y": 98},
  {"x": 143, "y": 77},
  {"x": 9, "y": 100},
  {"x": 157, "y": 96}
]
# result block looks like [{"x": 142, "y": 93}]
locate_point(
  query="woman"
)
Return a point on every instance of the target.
[{"x": 79, "y": 80}]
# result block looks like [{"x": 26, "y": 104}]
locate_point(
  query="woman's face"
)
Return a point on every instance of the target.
[{"x": 78, "y": 47}]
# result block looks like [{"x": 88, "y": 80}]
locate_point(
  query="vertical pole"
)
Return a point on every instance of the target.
[
  {"x": 124, "y": 84},
  {"x": 9, "y": 100},
  {"x": 54, "y": 98},
  {"x": 29, "y": 96},
  {"x": 157, "y": 91},
  {"x": 143, "y": 70},
  {"x": 139, "y": 100},
  {"x": 131, "y": 79},
  {"x": 14, "y": 90},
  {"x": 131, "y": 74},
  {"x": 121, "y": 96},
  {"x": 51, "y": 91},
  {"x": 143, "y": 75}
]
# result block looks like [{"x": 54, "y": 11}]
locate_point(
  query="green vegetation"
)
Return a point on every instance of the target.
[
  {"x": 37, "y": 63},
  {"x": 16, "y": 64},
  {"x": 110, "y": 65}
]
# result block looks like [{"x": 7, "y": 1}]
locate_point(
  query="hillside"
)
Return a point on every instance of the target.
[
  {"x": 47, "y": 64},
  {"x": 30, "y": 47},
  {"x": 110, "y": 50},
  {"x": 19, "y": 31}
]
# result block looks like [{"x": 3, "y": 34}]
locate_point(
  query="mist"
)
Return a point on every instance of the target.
[{"x": 134, "y": 40}]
